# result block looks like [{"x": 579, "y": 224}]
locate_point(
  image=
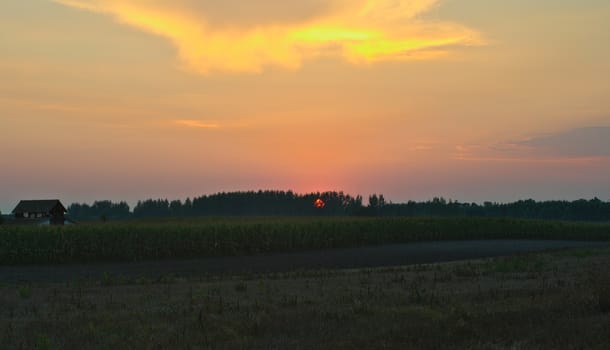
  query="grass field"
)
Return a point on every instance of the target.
[
  {"x": 555, "y": 300},
  {"x": 201, "y": 237}
]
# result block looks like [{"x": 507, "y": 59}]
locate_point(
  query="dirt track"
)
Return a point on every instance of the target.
[{"x": 387, "y": 255}]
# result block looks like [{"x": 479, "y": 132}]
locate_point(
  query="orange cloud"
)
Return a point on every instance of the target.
[
  {"x": 191, "y": 123},
  {"x": 359, "y": 31}
]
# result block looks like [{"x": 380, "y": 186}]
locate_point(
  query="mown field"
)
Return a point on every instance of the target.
[
  {"x": 557, "y": 300},
  {"x": 204, "y": 237}
]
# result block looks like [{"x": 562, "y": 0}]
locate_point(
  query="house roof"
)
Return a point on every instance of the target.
[{"x": 38, "y": 206}]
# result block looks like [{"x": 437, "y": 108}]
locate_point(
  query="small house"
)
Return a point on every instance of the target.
[{"x": 50, "y": 212}]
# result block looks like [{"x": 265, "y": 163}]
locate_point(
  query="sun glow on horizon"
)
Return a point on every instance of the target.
[{"x": 470, "y": 99}]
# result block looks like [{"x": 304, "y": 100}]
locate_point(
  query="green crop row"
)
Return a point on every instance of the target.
[{"x": 203, "y": 237}]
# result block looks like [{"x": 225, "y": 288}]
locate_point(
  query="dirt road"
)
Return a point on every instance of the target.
[{"x": 386, "y": 255}]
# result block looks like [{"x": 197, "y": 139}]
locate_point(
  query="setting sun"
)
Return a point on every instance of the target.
[{"x": 319, "y": 203}]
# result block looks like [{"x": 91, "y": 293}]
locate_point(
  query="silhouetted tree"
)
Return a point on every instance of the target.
[
  {"x": 152, "y": 208},
  {"x": 98, "y": 210}
]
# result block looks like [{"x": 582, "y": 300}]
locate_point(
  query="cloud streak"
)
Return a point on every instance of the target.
[
  {"x": 358, "y": 31},
  {"x": 581, "y": 145},
  {"x": 191, "y": 123},
  {"x": 581, "y": 142}
]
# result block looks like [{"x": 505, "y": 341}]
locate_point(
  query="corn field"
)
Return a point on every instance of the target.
[{"x": 205, "y": 237}]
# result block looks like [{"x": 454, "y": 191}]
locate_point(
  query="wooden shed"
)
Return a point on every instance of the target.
[{"x": 51, "y": 210}]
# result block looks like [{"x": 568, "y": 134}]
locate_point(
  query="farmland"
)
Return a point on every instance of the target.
[
  {"x": 558, "y": 300},
  {"x": 229, "y": 236}
]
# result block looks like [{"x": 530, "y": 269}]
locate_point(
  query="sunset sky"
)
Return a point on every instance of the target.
[{"x": 472, "y": 100}]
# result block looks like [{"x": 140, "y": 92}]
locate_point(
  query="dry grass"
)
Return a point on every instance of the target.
[{"x": 543, "y": 301}]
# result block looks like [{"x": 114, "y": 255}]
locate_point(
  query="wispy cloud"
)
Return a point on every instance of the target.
[
  {"x": 359, "y": 31},
  {"x": 591, "y": 144},
  {"x": 192, "y": 123},
  {"x": 580, "y": 142},
  {"x": 425, "y": 145}
]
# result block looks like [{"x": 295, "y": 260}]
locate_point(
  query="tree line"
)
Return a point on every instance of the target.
[
  {"x": 578, "y": 210},
  {"x": 259, "y": 203},
  {"x": 288, "y": 203}
]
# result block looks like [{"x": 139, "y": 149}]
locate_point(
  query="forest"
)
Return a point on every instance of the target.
[{"x": 288, "y": 203}]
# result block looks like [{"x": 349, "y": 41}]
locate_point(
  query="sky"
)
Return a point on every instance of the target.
[{"x": 472, "y": 100}]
